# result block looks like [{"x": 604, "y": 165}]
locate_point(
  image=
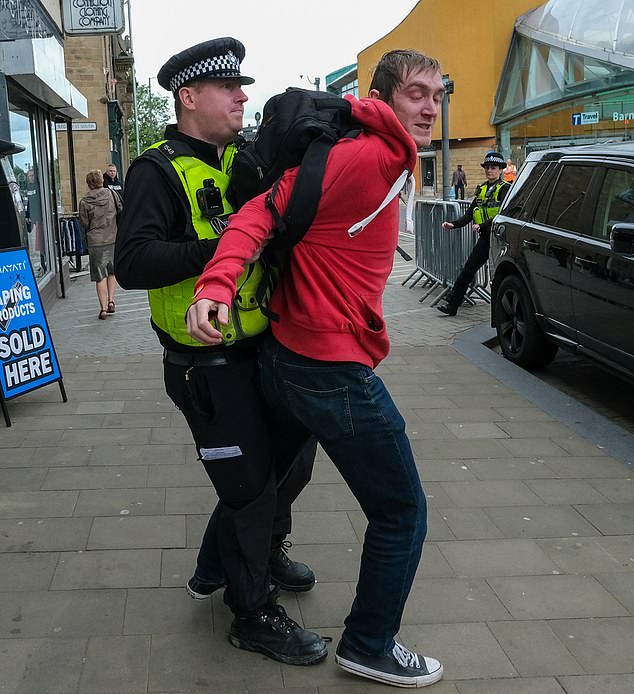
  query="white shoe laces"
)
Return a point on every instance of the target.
[{"x": 405, "y": 658}]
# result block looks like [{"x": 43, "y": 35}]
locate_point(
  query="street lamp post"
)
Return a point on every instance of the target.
[
  {"x": 446, "y": 182},
  {"x": 134, "y": 94},
  {"x": 149, "y": 99},
  {"x": 315, "y": 82}
]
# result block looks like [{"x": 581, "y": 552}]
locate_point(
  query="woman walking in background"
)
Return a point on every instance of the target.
[{"x": 98, "y": 214}]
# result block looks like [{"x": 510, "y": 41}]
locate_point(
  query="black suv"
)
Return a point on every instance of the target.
[{"x": 562, "y": 258}]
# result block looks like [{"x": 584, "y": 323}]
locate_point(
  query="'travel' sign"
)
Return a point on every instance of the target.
[
  {"x": 586, "y": 118},
  {"x": 27, "y": 355},
  {"x": 93, "y": 16}
]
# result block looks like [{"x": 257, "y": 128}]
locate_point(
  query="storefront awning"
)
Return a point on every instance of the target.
[{"x": 38, "y": 66}]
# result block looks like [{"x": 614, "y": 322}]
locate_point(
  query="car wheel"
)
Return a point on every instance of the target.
[{"x": 521, "y": 339}]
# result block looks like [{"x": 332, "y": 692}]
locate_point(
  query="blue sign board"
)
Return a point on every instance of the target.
[
  {"x": 586, "y": 118},
  {"x": 27, "y": 356}
]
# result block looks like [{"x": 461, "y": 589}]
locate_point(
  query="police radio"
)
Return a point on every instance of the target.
[{"x": 209, "y": 199}]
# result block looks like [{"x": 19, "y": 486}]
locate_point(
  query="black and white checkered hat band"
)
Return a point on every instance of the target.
[{"x": 223, "y": 65}]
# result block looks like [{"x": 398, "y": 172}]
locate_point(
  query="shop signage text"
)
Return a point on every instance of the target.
[
  {"x": 27, "y": 355},
  {"x": 78, "y": 126},
  {"x": 586, "y": 118},
  {"x": 93, "y": 16}
]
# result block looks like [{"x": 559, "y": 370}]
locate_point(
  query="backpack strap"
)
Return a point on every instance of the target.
[{"x": 305, "y": 196}]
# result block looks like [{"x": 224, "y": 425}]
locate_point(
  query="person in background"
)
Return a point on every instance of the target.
[
  {"x": 317, "y": 365},
  {"x": 175, "y": 211},
  {"x": 98, "y": 216},
  {"x": 111, "y": 180},
  {"x": 459, "y": 181},
  {"x": 510, "y": 172},
  {"x": 484, "y": 206}
]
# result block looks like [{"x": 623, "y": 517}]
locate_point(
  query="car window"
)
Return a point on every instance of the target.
[
  {"x": 568, "y": 197},
  {"x": 527, "y": 187},
  {"x": 615, "y": 203}
]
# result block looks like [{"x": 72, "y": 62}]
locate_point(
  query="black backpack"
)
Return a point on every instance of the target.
[{"x": 298, "y": 127}]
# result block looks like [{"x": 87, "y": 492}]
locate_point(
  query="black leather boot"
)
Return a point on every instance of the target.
[
  {"x": 448, "y": 309},
  {"x": 288, "y": 574},
  {"x": 272, "y": 632}
]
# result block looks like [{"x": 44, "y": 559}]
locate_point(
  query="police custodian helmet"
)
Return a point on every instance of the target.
[{"x": 214, "y": 59}]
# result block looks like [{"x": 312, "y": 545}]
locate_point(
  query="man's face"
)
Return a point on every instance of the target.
[
  {"x": 492, "y": 172},
  {"x": 112, "y": 171},
  {"x": 217, "y": 109},
  {"x": 417, "y": 102}
]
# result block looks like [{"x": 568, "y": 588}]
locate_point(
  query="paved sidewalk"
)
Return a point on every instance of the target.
[{"x": 527, "y": 579}]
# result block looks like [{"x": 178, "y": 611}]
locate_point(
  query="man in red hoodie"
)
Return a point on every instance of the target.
[{"x": 317, "y": 365}]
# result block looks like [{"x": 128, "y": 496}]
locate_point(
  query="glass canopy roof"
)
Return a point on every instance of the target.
[
  {"x": 564, "y": 49},
  {"x": 603, "y": 29}
]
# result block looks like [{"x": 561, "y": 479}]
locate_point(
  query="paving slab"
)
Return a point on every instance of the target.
[
  {"x": 602, "y": 646},
  {"x": 555, "y": 597}
]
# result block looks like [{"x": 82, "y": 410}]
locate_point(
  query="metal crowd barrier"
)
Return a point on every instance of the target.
[{"x": 441, "y": 254}]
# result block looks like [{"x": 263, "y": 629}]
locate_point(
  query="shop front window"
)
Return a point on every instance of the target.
[
  {"x": 31, "y": 178},
  {"x": 577, "y": 122}
]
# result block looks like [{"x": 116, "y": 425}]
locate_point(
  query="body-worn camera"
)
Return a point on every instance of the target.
[{"x": 209, "y": 199}]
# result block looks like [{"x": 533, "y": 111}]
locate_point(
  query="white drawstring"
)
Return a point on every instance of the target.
[
  {"x": 394, "y": 191},
  {"x": 409, "y": 209}
]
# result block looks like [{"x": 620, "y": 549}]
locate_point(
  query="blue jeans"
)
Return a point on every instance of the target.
[{"x": 346, "y": 406}]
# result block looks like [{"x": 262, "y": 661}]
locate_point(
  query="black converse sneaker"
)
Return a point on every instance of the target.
[
  {"x": 288, "y": 574},
  {"x": 401, "y": 667},
  {"x": 272, "y": 632}
]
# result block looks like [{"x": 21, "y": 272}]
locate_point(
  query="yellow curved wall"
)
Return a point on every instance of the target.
[{"x": 470, "y": 39}]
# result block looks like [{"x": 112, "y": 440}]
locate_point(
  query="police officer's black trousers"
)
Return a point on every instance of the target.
[
  {"x": 477, "y": 258},
  {"x": 220, "y": 398}
]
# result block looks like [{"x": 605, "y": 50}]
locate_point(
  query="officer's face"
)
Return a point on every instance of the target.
[
  {"x": 216, "y": 108},
  {"x": 492, "y": 172},
  {"x": 417, "y": 102}
]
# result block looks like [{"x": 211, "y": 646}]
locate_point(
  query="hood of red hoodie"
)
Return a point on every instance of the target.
[{"x": 378, "y": 117}]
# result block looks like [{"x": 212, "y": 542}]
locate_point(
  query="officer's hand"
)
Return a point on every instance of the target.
[
  {"x": 476, "y": 228},
  {"x": 199, "y": 317},
  {"x": 447, "y": 225}
]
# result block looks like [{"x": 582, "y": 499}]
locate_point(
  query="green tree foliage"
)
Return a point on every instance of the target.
[{"x": 154, "y": 114}]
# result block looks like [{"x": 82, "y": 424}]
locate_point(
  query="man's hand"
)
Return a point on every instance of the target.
[
  {"x": 199, "y": 317},
  {"x": 447, "y": 225},
  {"x": 476, "y": 228}
]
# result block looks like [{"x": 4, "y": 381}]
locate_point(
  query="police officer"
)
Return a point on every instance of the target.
[
  {"x": 175, "y": 210},
  {"x": 484, "y": 206}
]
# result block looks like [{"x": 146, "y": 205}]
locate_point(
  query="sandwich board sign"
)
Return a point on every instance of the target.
[{"x": 27, "y": 355}]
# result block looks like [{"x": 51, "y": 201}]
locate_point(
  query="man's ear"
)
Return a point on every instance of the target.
[
  {"x": 185, "y": 96},
  {"x": 374, "y": 94}
]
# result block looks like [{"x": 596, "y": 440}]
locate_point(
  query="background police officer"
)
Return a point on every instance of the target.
[
  {"x": 484, "y": 206},
  {"x": 175, "y": 209}
]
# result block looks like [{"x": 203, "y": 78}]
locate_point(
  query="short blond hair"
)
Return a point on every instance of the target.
[{"x": 94, "y": 179}]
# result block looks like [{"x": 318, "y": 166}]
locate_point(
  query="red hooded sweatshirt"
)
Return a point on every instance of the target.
[{"x": 329, "y": 298}]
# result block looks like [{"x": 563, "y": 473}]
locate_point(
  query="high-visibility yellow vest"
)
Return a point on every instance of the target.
[
  {"x": 487, "y": 203},
  {"x": 168, "y": 305}
]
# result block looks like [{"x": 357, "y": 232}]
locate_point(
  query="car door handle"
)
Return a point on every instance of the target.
[
  {"x": 584, "y": 262},
  {"x": 533, "y": 245}
]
